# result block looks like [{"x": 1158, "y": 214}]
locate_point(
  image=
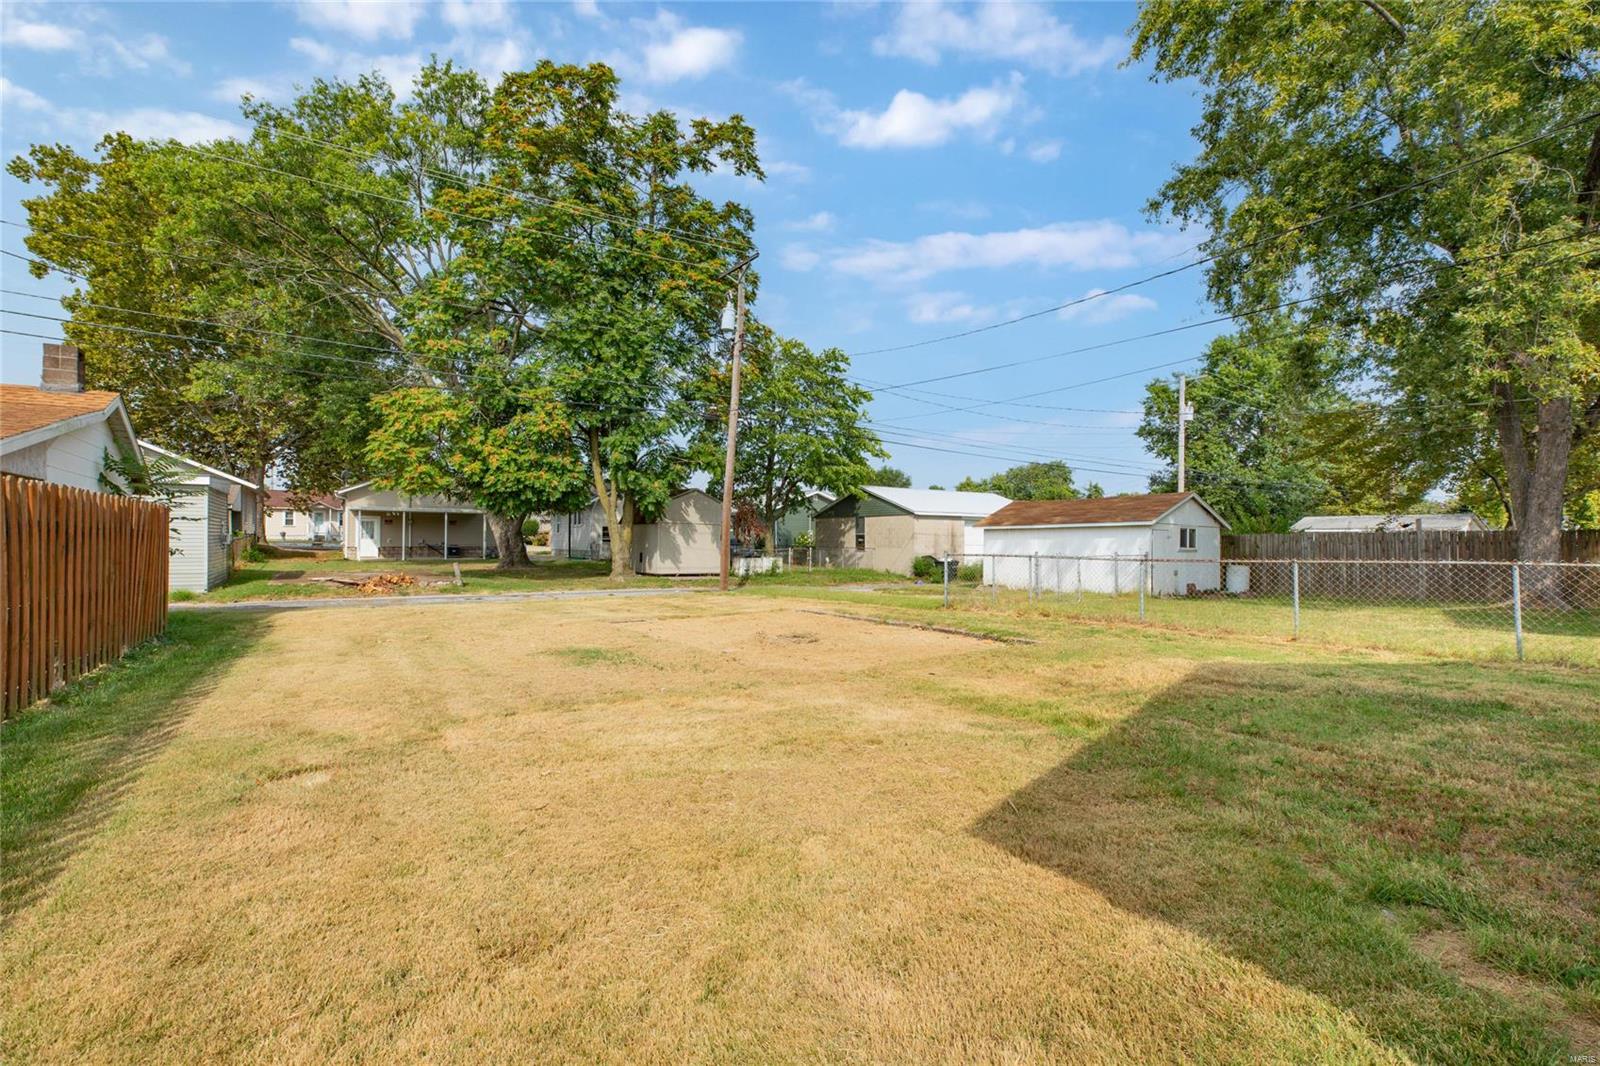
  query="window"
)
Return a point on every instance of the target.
[
  {"x": 288, "y": 518},
  {"x": 605, "y": 534},
  {"x": 861, "y": 533},
  {"x": 1186, "y": 538}
]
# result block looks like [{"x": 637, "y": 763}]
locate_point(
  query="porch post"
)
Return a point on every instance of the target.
[
  {"x": 405, "y": 534},
  {"x": 447, "y": 534},
  {"x": 483, "y": 535}
]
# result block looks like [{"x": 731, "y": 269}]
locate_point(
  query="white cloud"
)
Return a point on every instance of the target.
[
  {"x": 1044, "y": 151},
  {"x": 98, "y": 46},
  {"x": 680, "y": 52},
  {"x": 798, "y": 257},
  {"x": 397, "y": 69},
  {"x": 912, "y": 120},
  {"x": 314, "y": 50},
  {"x": 229, "y": 90},
  {"x": 1101, "y": 245},
  {"x": 475, "y": 14},
  {"x": 15, "y": 97},
  {"x": 144, "y": 122},
  {"x": 1100, "y": 309},
  {"x": 1021, "y": 33},
  {"x": 936, "y": 307},
  {"x": 821, "y": 222},
  {"x": 588, "y": 9},
  {"x": 40, "y": 36},
  {"x": 779, "y": 168},
  {"x": 366, "y": 19}
]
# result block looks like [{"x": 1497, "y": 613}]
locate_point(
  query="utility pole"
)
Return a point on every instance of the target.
[
  {"x": 1185, "y": 414},
  {"x": 733, "y": 425}
]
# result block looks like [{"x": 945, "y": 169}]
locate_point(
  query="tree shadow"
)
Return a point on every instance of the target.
[
  {"x": 65, "y": 765},
  {"x": 1314, "y": 819}
]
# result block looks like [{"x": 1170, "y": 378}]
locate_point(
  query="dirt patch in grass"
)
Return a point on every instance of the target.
[{"x": 1453, "y": 952}]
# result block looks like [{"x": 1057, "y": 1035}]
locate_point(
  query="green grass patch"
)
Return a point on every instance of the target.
[{"x": 64, "y": 761}]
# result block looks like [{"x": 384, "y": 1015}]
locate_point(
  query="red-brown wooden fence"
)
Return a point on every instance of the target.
[{"x": 85, "y": 579}]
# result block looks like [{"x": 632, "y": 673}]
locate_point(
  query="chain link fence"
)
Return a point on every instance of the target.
[{"x": 1548, "y": 611}]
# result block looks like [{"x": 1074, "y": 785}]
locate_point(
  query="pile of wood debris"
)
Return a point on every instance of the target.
[{"x": 381, "y": 584}]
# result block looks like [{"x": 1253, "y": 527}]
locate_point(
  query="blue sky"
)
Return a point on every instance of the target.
[{"x": 931, "y": 168}]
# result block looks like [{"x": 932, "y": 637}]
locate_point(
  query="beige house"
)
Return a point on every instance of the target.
[
  {"x": 684, "y": 539},
  {"x": 320, "y": 523},
  {"x": 887, "y": 528},
  {"x": 379, "y": 524}
]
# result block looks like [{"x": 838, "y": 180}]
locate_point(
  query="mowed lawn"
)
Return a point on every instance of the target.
[{"x": 751, "y": 828}]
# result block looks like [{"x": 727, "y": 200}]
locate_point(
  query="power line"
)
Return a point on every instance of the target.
[
  {"x": 1280, "y": 235},
  {"x": 1248, "y": 313}
]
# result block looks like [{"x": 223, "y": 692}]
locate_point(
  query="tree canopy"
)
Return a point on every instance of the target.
[
  {"x": 1427, "y": 178},
  {"x": 889, "y": 477},
  {"x": 1050, "y": 480},
  {"x": 802, "y": 426}
]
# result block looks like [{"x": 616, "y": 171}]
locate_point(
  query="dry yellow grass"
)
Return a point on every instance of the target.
[{"x": 646, "y": 831}]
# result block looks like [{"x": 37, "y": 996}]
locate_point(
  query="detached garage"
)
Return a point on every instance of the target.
[{"x": 1107, "y": 542}]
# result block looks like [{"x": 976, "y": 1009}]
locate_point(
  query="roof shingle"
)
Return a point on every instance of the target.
[
  {"x": 1103, "y": 511},
  {"x": 24, "y": 408}
]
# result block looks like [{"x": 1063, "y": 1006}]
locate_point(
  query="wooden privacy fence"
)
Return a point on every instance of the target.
[
  {"x": 1430, "y": 545},
  {"x": 85, "y": 578}
]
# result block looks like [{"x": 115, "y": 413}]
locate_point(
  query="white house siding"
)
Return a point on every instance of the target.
[
  {"x": 75, "y": 458},
  {"x": 581, "y": 534},
  {"x": 683, "y": 540},
  {"x": 200, "y": 534},
  {"x": 1172, "y": 574},
  {"x": 1100, "y": 549}
]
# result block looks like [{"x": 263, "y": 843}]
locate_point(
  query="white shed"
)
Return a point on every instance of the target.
[
  {"x": 202, "y": 521},
  {"x": 1171, "y": 539}
]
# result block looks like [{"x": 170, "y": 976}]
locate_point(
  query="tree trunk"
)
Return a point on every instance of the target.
[
  {"x": 622, "y": 541},
  {"x": 1536, "y": 479},
  {"x": 507, "y": 533},
  {"x": 618, "y": 511}
]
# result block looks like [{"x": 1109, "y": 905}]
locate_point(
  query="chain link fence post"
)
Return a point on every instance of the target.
[
  {"x": 1294, "y": 571},
  {"x": 944, "y": 572},
  {"x": 1033, "y": 577},
  {"x": 1144, "y": 578},
  {"x": 1516, "y": 605}
]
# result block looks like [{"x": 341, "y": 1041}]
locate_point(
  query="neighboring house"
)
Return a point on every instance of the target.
[
  {"x": 801, "y": 519},
  {"x": 202, "y": 521},
  {"x": 378, "y": 524},
  {"x": 1107, "y": 541},
  {"x": 58, "y": 432},
  {"x": 684, "y": 539},
  {"x": 888, "y": 528},
  {"x": 1466, "y": 522},
  {"x": 322, "y": 522}
]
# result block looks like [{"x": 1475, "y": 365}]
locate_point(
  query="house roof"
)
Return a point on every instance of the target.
[
  {"x": 30, "y": 415},
  {"x": 1371, "y": 523},
  {"x": 278, "y": 500},
  {"x": 939, "y": 503},
  {"x": 1142, "y": 510},
  {"x": 186, "y": 461}
]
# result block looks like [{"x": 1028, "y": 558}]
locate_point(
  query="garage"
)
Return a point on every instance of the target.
[{"x": 1172, "y": 540}]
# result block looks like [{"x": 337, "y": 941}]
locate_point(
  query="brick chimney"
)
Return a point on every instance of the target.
[{"x": 63, "y": 369}]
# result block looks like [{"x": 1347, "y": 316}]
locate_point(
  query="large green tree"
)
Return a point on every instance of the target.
[
  {"x": 802, "y": 426},
  {"x": 634, "y": 268},
  {"x": 1343, "y": 158},
  {"x": 249, "y": 372},
  {"x": 890, "y": 477}
]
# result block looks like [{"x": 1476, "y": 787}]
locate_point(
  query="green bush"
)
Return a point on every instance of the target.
[
  {"x": 970, "y": 572},
  {"x": 181, "y": 595},
  {"x": 254, "y": 554},
  {"x": 926, "y": 568}
]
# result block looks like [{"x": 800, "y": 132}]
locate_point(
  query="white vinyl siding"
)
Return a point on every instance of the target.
[
  {"x": 200, "y": 537},
  {"x": 74, "y": 458}
]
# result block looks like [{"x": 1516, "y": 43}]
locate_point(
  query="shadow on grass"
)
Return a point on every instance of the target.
[
  {"x": 65, "y": 764},
  {"x": 1315, "y": 820}
]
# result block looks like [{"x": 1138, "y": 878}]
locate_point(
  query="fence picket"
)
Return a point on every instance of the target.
[{"x": 84, "y": 580}]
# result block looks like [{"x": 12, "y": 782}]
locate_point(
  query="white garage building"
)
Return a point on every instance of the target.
[{"x": 1171, "y": 539}]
